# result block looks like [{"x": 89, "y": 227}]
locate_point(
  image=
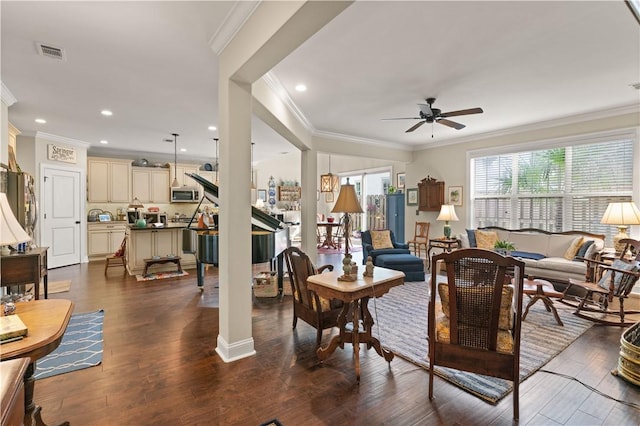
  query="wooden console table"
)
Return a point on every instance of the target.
[
  {"x": 47, "y": 321},
  {"x": 355, "y": 295},
  {"x": 26, "y": 268}
]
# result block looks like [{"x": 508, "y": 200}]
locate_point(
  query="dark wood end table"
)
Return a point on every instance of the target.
[{"x": 26, "y": 268}]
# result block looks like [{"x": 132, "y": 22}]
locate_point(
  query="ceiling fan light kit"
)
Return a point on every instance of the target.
[{"x": 428, "y": 114}]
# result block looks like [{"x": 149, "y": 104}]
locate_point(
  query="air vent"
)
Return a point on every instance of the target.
[{"x": 50, "y": 51}]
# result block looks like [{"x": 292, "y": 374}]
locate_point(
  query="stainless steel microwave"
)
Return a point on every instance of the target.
[{"x": 185, "y": 194}]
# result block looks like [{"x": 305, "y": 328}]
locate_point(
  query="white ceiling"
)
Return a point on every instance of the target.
[{"x": 152, "y": 65}]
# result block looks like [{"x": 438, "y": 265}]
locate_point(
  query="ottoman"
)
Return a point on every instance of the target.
[{"x": 412, "y": 266}]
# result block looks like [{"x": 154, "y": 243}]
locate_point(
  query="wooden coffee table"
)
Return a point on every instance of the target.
[
  {"x": 538, "y": 289},
  {"x": 355, "y": 295},
  {"x": 47, "y": 321}
]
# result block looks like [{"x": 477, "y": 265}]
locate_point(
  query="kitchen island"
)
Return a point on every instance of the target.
[{"x": 145, "y": 243}]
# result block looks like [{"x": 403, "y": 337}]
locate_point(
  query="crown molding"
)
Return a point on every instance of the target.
[
  {"x": 62, "y": 139},
  {"x": 363, "y": 141},
  {"x": 541, "y": 125},
  {"x": 274, "y": 83},
  {"x": 6, "y": 95},
  {"x": 235, "y": 19}
]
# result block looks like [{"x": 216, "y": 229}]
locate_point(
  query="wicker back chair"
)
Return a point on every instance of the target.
[
  {"x": 477, "y": 328},
  {"x": 610, "y": 281},
  {"x": 307, "y": 305}
]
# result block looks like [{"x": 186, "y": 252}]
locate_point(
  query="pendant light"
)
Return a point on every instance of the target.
[
  {"x": 217, "y": 163},
  {"x": 328, "y": 181},
  {"x": 175, "y": 183}
]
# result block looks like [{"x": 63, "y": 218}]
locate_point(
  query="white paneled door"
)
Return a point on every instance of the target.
[{"x": 61, "y": 210}]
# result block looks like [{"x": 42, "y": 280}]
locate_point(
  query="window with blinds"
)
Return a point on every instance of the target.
[{"x": 564, "y": 188}]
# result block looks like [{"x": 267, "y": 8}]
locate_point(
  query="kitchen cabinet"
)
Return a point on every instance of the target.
[
  {"x": 104, "y": 239},
  {"x": 181, "y": 169},
  {"x": 109, "y": 180},
  {"x": 151, "y": 184},
  {"x": 148, "y": 242},
  {"x": 430, "y": 195}
]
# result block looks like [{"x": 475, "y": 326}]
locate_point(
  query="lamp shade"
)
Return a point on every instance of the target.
[
  {"x": 621, "y": 214},
  {"x": 136, "y": 204},
  {"x": 11, "y": 232},
  {"x": 447, "y": 213},
  {"x": 347, "y": 200}
]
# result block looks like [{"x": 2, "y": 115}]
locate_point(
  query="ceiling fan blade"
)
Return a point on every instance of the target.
[
  {"x": 462, "y": 112},
  {"x": 450, "y": 123},
  {"x": 401, "y": 118},
  {"x": 426, "y": 110},
  {"x": 415, "y": 126}
]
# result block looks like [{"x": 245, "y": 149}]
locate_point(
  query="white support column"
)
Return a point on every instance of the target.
[
  {"x": 273, "y": 31},
  {"x": 309, "y": 178}
]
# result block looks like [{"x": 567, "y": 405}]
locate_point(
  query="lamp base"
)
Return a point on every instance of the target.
[
  {"x": 5, "y": 251},
  {"x": 447, "y": 231},
  {"x": 622, "y": 233}
]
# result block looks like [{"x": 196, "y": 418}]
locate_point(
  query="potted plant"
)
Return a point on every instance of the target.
[{"x": 504, "y": 247}]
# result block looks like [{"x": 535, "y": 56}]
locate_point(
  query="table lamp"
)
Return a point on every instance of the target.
[
  {"x": 447, "y": 213},
  {"x": 347, "y": 203},
  {"x": 11, "y": 232},
  {"x": 621, "y": 215}
]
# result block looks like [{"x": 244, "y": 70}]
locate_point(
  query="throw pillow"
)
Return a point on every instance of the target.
[
  {"x": 618, "y": 277},
  {"x": 381, "y": 239},
  {"x": 486, "y": 239},
  {"x": 582, "y": 251},
  {"x": 506, "y": 312},
  {"x": 573, "y": 248},
  {"x": 471, "y": 234}
]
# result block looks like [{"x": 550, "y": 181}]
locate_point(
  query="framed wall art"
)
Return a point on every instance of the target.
[
  {"x": 262, "y": 194},
  {"x": 455, "y": 195},
  {"x": 328, "y": 197},
  {"x": 412, "y": 196},
  {"x": 400, "y": 180}
]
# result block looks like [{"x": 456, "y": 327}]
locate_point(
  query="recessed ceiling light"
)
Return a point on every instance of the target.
[
  {"x": 183, "y": 149},
  {"x": 104, "y": 142},
  {"x": 106, "y": 112},
  {"x": 301, "y": 87},
  {"x": 41, "y": 120},
  {"x": 212, "y": 128}
]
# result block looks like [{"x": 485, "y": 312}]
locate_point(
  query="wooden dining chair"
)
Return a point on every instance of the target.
[
  {"x": 307, "y": 305},
  {"x": 420, "y": 237},
  {"x": 476, "y": 325},
  {"x": 118, "y": 258}
]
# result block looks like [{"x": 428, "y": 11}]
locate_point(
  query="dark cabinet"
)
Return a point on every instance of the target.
[
  {"x": 395, "y": 215},
  {"x": 430, "y": 195}
]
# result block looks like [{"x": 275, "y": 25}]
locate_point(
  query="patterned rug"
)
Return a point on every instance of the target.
[
  {"x": 541, "y": 339},
  {"x": 81, "y": 346},
  {"x": 160, "y": 276}
]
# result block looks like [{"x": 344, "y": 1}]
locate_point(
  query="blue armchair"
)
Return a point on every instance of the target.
[{"x": 368, "y": 250}]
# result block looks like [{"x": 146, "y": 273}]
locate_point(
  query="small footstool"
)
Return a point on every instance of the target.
[{"x": 412, "y": 266}]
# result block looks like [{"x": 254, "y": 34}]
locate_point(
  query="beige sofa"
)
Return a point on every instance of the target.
[{"x": 544, "y": 252}]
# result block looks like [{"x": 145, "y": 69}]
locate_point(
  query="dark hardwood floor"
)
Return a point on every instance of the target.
[{"x": 160, "y": 368}]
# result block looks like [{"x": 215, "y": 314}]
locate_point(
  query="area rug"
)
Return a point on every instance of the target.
[
  {"x": 402, "y": 317},
  {"x": 81, "y": 346},
  {"x": 160, "y": 276}
]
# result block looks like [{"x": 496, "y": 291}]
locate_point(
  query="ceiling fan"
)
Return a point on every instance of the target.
[{"x": 428, "y": 114}]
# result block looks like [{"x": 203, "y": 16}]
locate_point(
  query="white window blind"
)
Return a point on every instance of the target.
[{"x": 565, "y": 188}]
